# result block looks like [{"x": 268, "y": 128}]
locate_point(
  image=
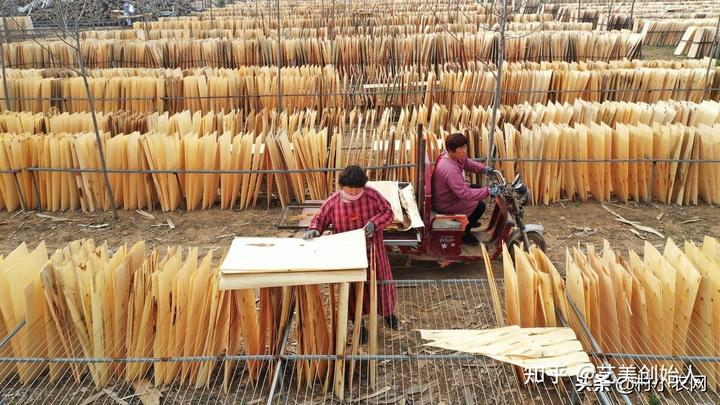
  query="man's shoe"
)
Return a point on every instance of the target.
[
  {"x": 392, "y": 322},
  {"x": 470, "y": 239}
]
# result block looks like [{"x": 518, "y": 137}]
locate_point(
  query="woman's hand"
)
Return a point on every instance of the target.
[
  {"x": 369, "y": 229},
  {"x": 311, "y": 234}
]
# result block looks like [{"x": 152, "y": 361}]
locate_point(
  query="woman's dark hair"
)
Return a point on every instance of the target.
[
  {"x": 455, "y": 141},
  {"x": 353, "y": 176}
]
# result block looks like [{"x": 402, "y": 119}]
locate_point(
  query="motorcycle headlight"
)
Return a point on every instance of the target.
[{"x": 521, "y": 190}]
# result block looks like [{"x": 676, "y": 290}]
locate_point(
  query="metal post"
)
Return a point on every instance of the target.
[
  {"x": 12, "y": 333},
  {"x": 632, "y": 13},
  {"x": 498, "y": 82},
  {"x": 38, "y": 203},
  {"x": 418, "y": 165},
  {"x": 577, "y": 19},
  {"x": 713, "y": 51},
  {"x": 279, "y": 61},
  {"x": 607, "y": 23},
  {"x": 281, "y": 349},
  {"x": 650, "y": 183},
  {"x": 19, "y": 190},
  {"x": 2, "y": 60}
]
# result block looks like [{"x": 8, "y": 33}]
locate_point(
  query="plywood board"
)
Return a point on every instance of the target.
[
  {"x": 234, "y": 281},
  {"x": 340, "y": 251}
]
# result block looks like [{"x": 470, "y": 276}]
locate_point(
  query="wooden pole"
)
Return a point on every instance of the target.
[
  {"x": 632, "y": 14},
  {"x": 498, "y": 83},
  {"x": 341, "y": 328}
]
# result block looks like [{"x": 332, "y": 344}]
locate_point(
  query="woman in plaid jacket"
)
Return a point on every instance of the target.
[{"x": 356, "y": 206}]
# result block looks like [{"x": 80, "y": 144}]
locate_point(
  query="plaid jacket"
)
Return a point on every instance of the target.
[{"x": 349, "y": 216}]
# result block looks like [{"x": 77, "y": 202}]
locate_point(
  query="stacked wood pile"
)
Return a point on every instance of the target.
[
  {"x": 342, "y": 51},
  {"x": 697, "y": 42},
  {"x": 88, "y": 301},
  {"x": 661, "y": 302}
]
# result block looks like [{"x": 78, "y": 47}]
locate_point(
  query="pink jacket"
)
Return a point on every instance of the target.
[{"x": 450, "y": 193}]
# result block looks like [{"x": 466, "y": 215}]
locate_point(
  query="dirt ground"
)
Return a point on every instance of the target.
[
  {"x": 660, "y": 52},
  {"x": 566, "y": 224}
]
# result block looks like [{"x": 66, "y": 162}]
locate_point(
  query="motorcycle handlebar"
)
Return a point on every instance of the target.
[{"x": 499, "y": 175}]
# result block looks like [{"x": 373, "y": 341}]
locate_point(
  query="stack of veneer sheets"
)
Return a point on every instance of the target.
[
  {"x": 661, "y": 303},
  {"x": 281, "y": 262},
  {"x": 302, "y": 266},
  {"x": 697, "y": 42},
  {"x": 554, "y": 351},
  {"x": 668, "y": 32}
]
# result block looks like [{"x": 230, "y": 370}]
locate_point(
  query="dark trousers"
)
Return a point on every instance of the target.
[{"x": 475, "y": 215}]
